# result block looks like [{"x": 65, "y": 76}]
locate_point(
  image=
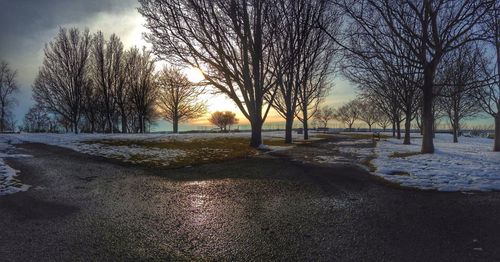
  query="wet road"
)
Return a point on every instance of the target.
[{"x": 265, "y": 208}]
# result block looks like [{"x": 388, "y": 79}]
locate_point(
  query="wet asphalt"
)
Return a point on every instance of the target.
[{"x": 84, "y": 208}]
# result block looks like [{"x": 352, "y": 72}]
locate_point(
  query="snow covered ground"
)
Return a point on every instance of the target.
[
  {"x": 8, "y": 182},
  {"x": 469, "y": 165}
]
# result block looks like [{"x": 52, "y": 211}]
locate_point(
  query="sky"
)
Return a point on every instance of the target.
[{"x": 26, "y": 25}]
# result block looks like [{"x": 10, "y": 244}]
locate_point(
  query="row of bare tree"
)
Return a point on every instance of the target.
[
  {"x": 91, "y": 84},
  {"x": 261, "y": 54},
  {"x": 354, "y": 110},
  {"x": 403, "y": 54},
  {"x": 414, "y": 59}
]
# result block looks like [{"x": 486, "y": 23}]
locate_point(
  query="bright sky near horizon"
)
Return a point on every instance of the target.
[{"x": 27, "y": 25}]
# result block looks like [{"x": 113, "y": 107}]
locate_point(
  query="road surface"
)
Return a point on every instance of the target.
[{"x": 84, "y": 208}]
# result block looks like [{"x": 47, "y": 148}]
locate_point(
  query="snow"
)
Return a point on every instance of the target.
[
  {"x": 469, "y": 165},
  {"x": 8, "y": 182},
  {"x": 362, "y": 149}
]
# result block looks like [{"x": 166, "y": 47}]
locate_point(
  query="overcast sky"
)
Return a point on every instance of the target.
[{"x": 26, "y": 25}]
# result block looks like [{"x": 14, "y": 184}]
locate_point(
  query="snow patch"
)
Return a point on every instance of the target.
[
  {"x": 469, "y": 165},
  {"x": 8, "y": 182}
]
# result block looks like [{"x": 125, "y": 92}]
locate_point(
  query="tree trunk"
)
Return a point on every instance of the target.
[
  {"x": 369, "y": 128},
  {"x": 455, "y": 134},
  {"x": 393, "y": 128},
  {"x": 110, "y": 123},
  {"x": 256, "y": 139},
  {"x": 407, "y": 140},
  {"x": 124, "y": 123},
  {"x": 304, "y": 123},
  {"x": 427, "y": 116},
  {"x": 306, "y": 129},
  {"x": 75, "y": 126},
  {"x": 141, "y": 124},
  {"x": 398, "y": 128},
  {"x": 2, "y": 119},
  {"x": 496, "y": 148},
  {"x": 288, "y": 129},
  {"x": 175, "y": 124}
]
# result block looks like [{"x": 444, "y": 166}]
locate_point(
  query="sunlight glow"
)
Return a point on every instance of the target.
[{"x": 194, "y": 74}]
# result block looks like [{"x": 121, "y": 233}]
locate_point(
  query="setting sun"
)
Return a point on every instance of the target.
[{"x": 194, "y": 74}]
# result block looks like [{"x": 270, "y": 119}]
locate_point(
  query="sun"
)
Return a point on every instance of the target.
[{"x": 194, "y": 74}]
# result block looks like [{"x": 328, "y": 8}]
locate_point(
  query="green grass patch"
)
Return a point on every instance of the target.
[{"x": 403, "y": 154}]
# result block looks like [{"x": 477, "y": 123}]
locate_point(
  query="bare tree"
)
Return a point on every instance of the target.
[
  {"x": 91, "y": 106},
  {"x": 489, "y": 97},
  {"x": 8, "y": 88},
  {"x": 382, "y": 120},
  {"x": 367, "y": 113},
  {"x": 316, "y": 74},
  {"x": 178, "y": 97},
  {"x": 223, "y": 120},
  {"x": 406, "y": 83},
  {"x": 461, "y": 77},
  {"x": 122, "y": 95},
  {"x": 324, "y": 115},
  {"x": 107, "y": 72},
  {"x": 143, "y": 91},
  {"x": 37, "y": 120},
  {"x": 63, "y": 76},
  {"x": 427, "y": 29},
  {"x": 297, "y": 40},
  {"x": 348, "y": 113},
  {"x": 378, "y": 85},
  {"x": 230, "y": 39}
]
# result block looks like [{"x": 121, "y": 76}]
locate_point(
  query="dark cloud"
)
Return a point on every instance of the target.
[{"x": 19, "y": 19}]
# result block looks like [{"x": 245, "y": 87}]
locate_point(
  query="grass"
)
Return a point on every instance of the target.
[
  {"x": 400, "y": 173},
  {"x": 365, "y": 136},
  {"x": 368, "y": 163},
  {"x": 403, "y": 154},
  {"x": 198, "y": 151}
]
